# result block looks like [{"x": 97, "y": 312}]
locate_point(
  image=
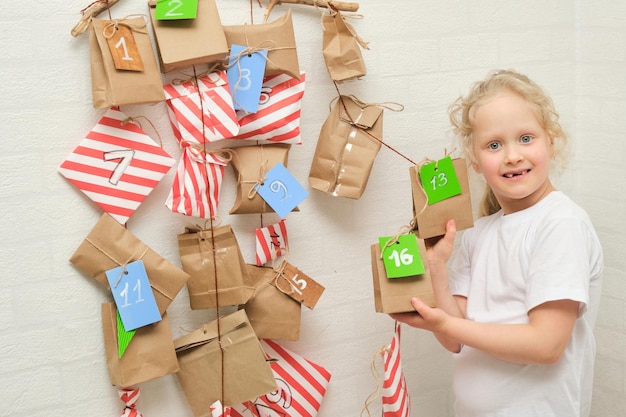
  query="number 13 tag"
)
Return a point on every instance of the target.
[
  {"x": 439, "y": 180},
  {"x": 402, "y": 258},
  {"x": 281, "y": 190},
  {"x": 133, "y": 295}
]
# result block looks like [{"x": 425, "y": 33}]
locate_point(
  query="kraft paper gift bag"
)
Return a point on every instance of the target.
[
  {"x": 232, "y": 368},
  {"x": 393, "y": 295},
  {"x": 185, "y": 42},
  {"x": 348, "y": 143},
  {"x": 218, "y": 273},
  {"x": 149, "y": 355},
  {"x": 272, "y": 313},
  {"x": 341, "y": 47},
  {"x": 277, "y": 38},
  {"x": 251, "y": 164},
  {"x": 109, "y": 245},
  {"x": 114, "y": 87},
  {"x": 430, "y": 219}
]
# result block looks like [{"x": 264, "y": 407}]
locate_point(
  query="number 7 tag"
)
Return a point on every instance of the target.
[
  {"x": 133, "y": 295},
  {"x": 401, "y": 258}
]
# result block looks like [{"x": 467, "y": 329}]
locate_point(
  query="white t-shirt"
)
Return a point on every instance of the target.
[{"x": 507, "y": 265}]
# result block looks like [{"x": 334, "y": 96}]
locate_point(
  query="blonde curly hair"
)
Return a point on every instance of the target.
[{"x": 461, "y": 113}]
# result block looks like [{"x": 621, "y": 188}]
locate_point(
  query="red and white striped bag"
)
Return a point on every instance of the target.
[
  {"x": 395, "y": 395},
  {"x": 117, "y": 165},
  {"x": 271, "y": 242},
  {"x": 196, "y": 187},
  {"x": 278, "y": 115},
  {"x": 204, "y": 113},
  {"x": 301, "y": 387},
  {"x": 129, "y": 396}
]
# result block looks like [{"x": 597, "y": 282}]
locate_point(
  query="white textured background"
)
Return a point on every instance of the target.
[{"x": 423, "y": 55}]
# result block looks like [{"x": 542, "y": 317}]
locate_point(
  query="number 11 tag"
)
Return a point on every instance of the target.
[
  {"x": 402, "y": 258},
  {"x": 281, "y": 190},
  {"x": 133, "y": 295},
  {"x": 439, "y": 180}
]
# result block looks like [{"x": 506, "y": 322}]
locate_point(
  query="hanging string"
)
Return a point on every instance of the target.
[
  {"x": 365, "y": 131},
  {"x": 213, "y": 249}
]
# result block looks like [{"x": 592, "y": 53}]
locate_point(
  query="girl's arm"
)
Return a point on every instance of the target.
[{"x": 543, "y": 340}]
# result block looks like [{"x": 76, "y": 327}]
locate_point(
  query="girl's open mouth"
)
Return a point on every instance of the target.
[{"x": 516, "y": 174}]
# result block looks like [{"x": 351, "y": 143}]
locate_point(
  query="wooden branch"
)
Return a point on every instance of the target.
[
  {"x": 339, "y": 5},
  {"x": 93, "y": 9}
]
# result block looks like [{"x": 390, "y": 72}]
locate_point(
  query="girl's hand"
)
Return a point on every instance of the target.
[
  {"x": 425, "y": 317},
  {"x": 439, "y": 249}
]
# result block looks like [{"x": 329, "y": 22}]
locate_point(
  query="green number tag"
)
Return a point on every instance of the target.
[
  {"x": 176, "y": 9},
  {"x": 439, "y": 180},
  {"x": 401, "y": 259}
]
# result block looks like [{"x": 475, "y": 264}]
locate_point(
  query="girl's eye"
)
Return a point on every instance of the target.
[
  {"x": 526, "y": 139},
  {"x": 493, "y": 146}
]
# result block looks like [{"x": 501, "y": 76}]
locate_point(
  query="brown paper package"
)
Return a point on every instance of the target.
[{"x": 341, "y": 49}]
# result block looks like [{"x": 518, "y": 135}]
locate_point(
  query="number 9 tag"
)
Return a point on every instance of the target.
[
  {"x": 402, "y": 258},
  {"x": 133, "y": 295},
  {"x": 439, "y": 180},
  {"x": 281, "y": 190}
]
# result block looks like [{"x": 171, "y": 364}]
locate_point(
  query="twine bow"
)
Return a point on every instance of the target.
[
  {"x": 393, "y": 240},
  {"x": 129, "y": 396},
  {"x": 114, "y": 24},
  {"x": 262, "y": 171}
]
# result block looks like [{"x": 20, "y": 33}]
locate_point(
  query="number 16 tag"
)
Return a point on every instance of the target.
[
  {"x": 133, "y": 295},
  {"x": 439, "y": 180},
  {"x": 402, "y": 258}
]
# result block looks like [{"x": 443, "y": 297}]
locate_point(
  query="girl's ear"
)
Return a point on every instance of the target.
[{"x": 476, "y": 168}]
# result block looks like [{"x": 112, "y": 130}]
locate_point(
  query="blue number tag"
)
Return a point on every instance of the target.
[
  {"x": 133, "y": 295},
  {"x": 281, "y": 190},
  {"x": 245, "y": 77}
]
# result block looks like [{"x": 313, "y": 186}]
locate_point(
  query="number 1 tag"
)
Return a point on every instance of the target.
[
  {"x": 402, "y": 258},
  {"x": 176, "y": 9},
  {"x": 281, "y": 190},
  {"x": 299, "y": 286},
  {"x": 133, "y": 295},
  {"x": 439, "y": 180},
  {"x": 124, "y": 50}
]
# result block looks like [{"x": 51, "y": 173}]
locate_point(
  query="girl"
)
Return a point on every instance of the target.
[{"x": 518, "y": 303}]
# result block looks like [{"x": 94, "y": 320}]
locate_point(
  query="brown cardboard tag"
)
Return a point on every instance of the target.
[
  {"x": 124, "y": 49},
  {"x": 299, "y": 286}
]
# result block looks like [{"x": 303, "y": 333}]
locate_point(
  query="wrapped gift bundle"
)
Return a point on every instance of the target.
[
  {"x": 116, "y": 165},
  {"x": 213, "y": 259},
  {"x": 277, "y": 37},
  {"x": 431, "y": 218},
  {"x": 348, "y": 143},
  {"x": 177, "y": 39},
  {"x": 201, "y": 110},
  {"x": 197, "y": 184},
  {"x": 229, "y": 366},
  {"x": 271, "y": 242},
  {"x": 395, "y": 394},
  {"x": 110, "y": 245},
  {"x": 341, "y": 47},
  {"x": 278, "y": 116}
]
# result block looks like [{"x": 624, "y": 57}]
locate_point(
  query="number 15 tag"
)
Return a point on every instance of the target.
[
  {"x": 439, "y": 180},
  {"x": 402, "y": 258},
  {"x": 133, "y": 295}
]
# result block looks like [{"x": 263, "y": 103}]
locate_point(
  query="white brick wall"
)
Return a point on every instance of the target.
[{"x": 423, "y": 54}]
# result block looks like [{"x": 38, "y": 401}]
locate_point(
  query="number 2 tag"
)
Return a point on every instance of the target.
[
  {"x": 176, "y": 9},
  {"x": 439, "y": 180},
  {"x": 124, "y": 50},
  {"x": 281, "y": 190},
  {"x": 133, "y": 295},
  {"x": 402, "y": 258}
]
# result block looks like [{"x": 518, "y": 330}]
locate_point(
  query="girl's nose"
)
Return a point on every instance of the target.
[{"x": 513, "y": 155}]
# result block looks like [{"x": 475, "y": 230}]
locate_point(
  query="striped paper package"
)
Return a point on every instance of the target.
[
  {"x": 116, "y": 165},
  {"x": 271, "y": 242},
  {"x": 203, "y": 112},
  {"x": 129, "y": 396},
  {"x": 196, "y": 187},
  {"x": 395, "y": 394},
  {"x": 301, "y": 385},
  {"x": 278, "y": 116}
]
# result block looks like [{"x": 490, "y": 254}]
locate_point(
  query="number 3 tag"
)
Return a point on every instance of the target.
[
  {"x": 439, "y": 180},
  {"x": 133, "y": 295},
  {"x": 281, "y": 190},
  {"x": 401, "y": 259}
]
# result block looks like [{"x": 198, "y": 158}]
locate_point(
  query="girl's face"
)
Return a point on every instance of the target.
[{"x": 512, "y": 151}]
